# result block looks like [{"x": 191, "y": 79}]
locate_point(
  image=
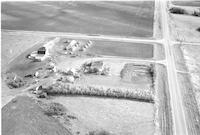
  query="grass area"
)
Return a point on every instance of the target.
[
  {"x": 111, "y": 115},
  {"x": 193, "y": 3},
  {"x": 190, "y": 103},
  {"x": 184, "y": 28},
  {"x": 192, "y": 61},
  {"x": 179, "y": 59},
  {"x": 130, "y": 18},
  {"x": 23, "y": 66},
  {"x": 163, "y": 115},
  {"x": 185, "y": 10},
  {"x": 24, "y": 116},
  {"x": 122, "y": 49},
  {"x": 137, "y": 73},
  {"x": 115, "y": 49},
  {"x": 13, "y": 45},
  {"x": 103, "y": 132}
]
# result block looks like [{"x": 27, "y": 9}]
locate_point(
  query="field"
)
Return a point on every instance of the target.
[
  {"x": 122, "y": 49},
  {"x": 119, "y": 49},
  {"x": 184, "y": 28},
  {"x": 179, "y": 58},
  {"x": 115, "y": 116},
  {"x": 23, "y": 116},
  {"x": 187, "y": 59},
  {"x": 193, "y": 3},
  {"x": 191, "y": 56},
  {"x": 163, "y": 114},
  {"x": 190, "y": 103},
  {"x": 99, "y": 18},
  {"x": 14, "y": 44}
]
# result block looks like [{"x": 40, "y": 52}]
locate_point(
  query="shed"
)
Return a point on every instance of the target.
[{"x": 41, "y": 50}]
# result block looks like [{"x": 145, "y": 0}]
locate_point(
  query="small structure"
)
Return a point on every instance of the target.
[
  {"x": 96, "y": 67},
  {"x": 93, "y": 67},
  {"x": 41, "y": 50},
  {"x": 71, "y": 46}
]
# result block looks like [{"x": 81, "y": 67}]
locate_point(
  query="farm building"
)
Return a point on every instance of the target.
[{"x": 41, "y": 50}]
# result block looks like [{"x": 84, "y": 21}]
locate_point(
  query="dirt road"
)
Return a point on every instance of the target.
[{"x": 180, "y": 127}]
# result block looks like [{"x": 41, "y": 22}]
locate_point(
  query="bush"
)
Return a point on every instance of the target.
[
  {"x": 102, "y": 132},
  {"x": 198, "y": 29},
  {"x": 176, "y": 10},
  {"x": 54, "y": 109},
  {"x": 196, "y": 13},
  {"x": 14, "y": 81},
  {"x": 68, "y": 89}
]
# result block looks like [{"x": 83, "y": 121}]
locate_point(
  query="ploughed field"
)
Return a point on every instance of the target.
[
  {"x": 106, "y": 92},
  {"x": 130, "y": 18}
]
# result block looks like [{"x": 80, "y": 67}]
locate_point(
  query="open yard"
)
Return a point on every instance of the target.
[{"x": 130, "y": 18}]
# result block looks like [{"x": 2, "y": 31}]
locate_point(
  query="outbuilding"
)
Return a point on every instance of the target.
[{"x": 41, "y": 50}]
